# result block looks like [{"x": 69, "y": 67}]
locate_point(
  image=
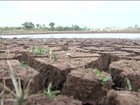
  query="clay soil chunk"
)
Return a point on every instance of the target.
[
  {"x": 133, "y": 58},
  {"x": 126, "y": 69},
  {"x": 134, "y": 50},
  {"x": 70, "y": 63},
  {"x": 119, "y": 54},
  {"x": 29, "y": 58},
  {"x": 16, "y": 66},
  {"x": 121, "y": 98},
  {"x": 56, "y": 72},
  {"x": 23, "y": 73},
  {"x": 85, "y": 85},
  {"x": 4, "y": 56},
  {"x": 40, "y": 99},
  {"x": 103, "y": 62}
]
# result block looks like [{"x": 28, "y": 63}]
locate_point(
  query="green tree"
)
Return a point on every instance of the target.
[
  {"x": 28, "y": 25},
  {"x": 66, "y": 28},
  {"x": 52, "y": 25},
  {"x": 18, "y": 28},
  {"x": 1, "y": 30},
  {"x": 136, "y": 26},
  {"x": 59, "y": 28},
  {"x": 75, "y": 27},
  {"x": 37, "y": 25},
  {"x": 44, "y": 26}
]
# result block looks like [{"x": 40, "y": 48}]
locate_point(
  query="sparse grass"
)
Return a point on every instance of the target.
[
  {"x": 38, "y": 51},
  {"x": 42, "y": 51},
  {"x": 51, "y": 94},
  {"x": 23, "y": 64}
]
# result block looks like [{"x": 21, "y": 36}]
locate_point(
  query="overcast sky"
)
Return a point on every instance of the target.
[{"x": 93, "y": 14}]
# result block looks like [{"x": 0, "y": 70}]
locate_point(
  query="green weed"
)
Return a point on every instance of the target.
[
  {"x": 54, "y": 57},
  {"x": 18, "y": 93},
  {"x": 98, "y": 72},
  {"x": 51, "y": 94},
  {"x": 129, "y": 86},
  {"x": 104, "y": 80},
  {"x": 38, "y": 51},
  {"x": 41, "y": 51},
  {"x": 23, "y": 64}
]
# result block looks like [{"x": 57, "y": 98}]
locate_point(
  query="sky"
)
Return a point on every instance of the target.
[{"x": 93, "y": 14}]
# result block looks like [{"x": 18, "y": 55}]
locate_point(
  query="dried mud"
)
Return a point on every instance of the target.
[{"x": 73, "y": 72}]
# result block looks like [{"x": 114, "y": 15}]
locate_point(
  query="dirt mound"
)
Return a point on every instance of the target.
[
  {"x": 126, "y": 69},
  {"x": 85, "y": 85},
  {"x": 43, "y": 100},
  {"x": 121, "y": 98}
]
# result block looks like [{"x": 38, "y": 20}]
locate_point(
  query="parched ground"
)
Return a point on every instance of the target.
[{"x": 73, "y": 70}]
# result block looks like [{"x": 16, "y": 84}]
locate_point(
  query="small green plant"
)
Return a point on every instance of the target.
[
  {"x": 38, "y": 51},
  {"x": 19, "y": 94},
  {"x": 98, "y": 72},
  {"x": 53, "y": 56},
  {"x": 41, "y": 51},
  {"x": 129, "y": 86},
  {"x": 51, "y": 94},
  {"x": 23, "y": 64},
  {"x": 104, "y": 80}
]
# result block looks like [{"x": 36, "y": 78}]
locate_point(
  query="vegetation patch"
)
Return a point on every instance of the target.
[
  {"x": 23, "y": 64},
  {"x": 38, "y": 51},
  {"x": 104, "y": 80},
  {"x": 51, "y": 94}
]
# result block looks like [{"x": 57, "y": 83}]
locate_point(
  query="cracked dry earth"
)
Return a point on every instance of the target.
[{"x": 74, "y": 71}]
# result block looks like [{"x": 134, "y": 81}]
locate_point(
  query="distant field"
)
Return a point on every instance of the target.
[{"x": 22, "y": 32}]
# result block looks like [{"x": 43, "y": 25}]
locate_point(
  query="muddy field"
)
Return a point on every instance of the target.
[{"x": 85, "y": 71}]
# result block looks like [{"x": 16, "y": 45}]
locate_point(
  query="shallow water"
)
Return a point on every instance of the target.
[{"x": 129, "y": 36}]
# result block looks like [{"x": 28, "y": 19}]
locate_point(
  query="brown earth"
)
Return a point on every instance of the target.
[
  {"x": 85, "y": 85},
  {"x": 73, "y": 70},
  {"x": 121, "y": 98},
  {"x": 123, "y": 69}
]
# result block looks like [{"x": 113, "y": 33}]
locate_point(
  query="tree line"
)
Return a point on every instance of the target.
[{"x": 51, "y": 27}]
